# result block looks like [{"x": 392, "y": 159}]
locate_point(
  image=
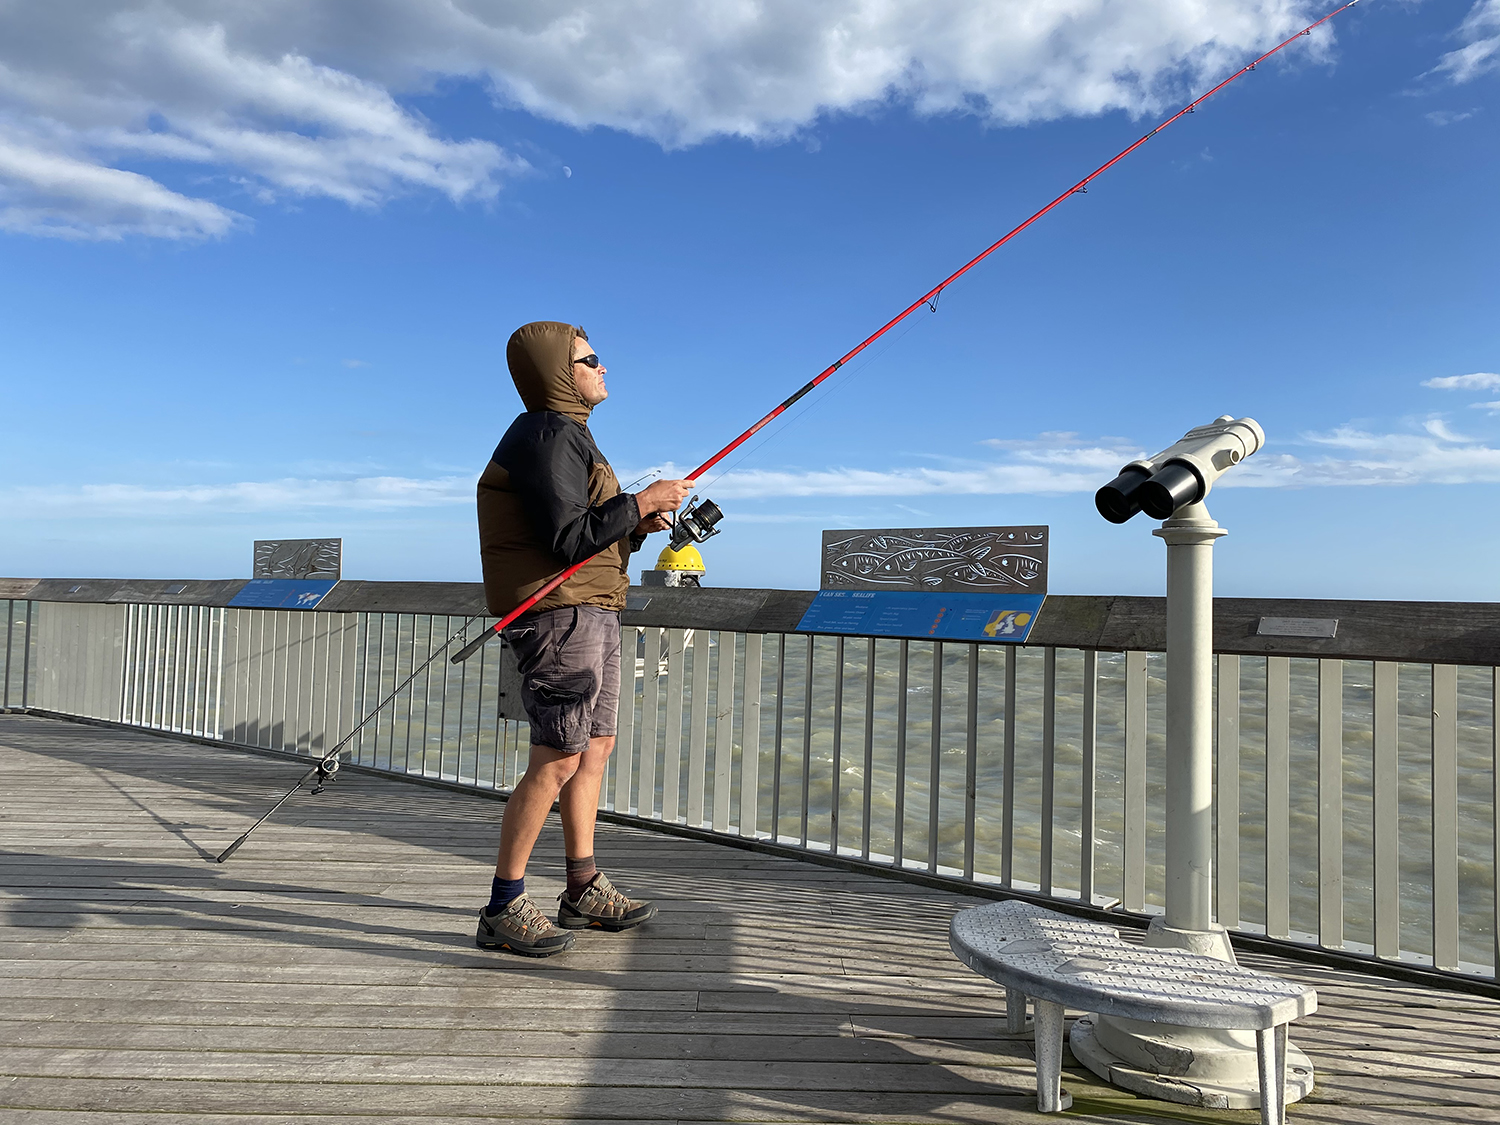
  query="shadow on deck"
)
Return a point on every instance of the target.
[{"x": 328, "y": 972}]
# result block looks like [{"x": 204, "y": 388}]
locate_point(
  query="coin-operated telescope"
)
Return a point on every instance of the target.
[{"x": 1182, "y": 473}]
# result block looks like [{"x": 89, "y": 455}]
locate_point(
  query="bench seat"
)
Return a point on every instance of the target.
[{"x": 1062, "y": 962}]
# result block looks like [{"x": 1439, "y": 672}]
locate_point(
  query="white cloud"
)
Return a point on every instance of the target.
[
  {"x": 196, "y": 500},
  {"x": 143, "y": 83},
  {"x": 52, "y": 193},
  {"x": 1050, "y": 464},
  {"x": 1478, "y": 381},
  {"x": 299, "y": 97},
  {"x": 1480, "y": 53}
]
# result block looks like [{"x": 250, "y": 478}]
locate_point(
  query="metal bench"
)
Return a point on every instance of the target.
[{"x": 1058, "y": 961}]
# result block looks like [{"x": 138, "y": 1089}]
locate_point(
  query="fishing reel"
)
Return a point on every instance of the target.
[
  {"x": 695, "y": 523},
  {"x": 326, "y": 769}
]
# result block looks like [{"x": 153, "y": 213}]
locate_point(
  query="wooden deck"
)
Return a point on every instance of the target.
[{"x": 327, "y": 973}]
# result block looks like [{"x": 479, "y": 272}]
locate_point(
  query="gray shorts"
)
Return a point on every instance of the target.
[{"x": 569, "y": 661}]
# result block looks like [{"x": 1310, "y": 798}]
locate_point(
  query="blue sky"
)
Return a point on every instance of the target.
[{"x": 258, "y": 278}]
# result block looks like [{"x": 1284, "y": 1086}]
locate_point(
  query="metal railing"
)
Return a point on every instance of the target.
[{"x": 1355, "y": 799}]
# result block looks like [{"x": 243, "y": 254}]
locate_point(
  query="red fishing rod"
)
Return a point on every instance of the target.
[{"x": 700, "y": 529}]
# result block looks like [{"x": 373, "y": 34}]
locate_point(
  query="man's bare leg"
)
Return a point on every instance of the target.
[
  {"x": 548, "y": 772},
  {"x": 596, "y": 902},
  {"x": 579, "y": 799}
]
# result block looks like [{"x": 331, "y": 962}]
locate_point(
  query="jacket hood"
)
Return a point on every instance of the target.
[{"x": 540, "y": 358}]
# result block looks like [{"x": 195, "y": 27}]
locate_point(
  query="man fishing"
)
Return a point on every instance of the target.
[{"x": 547, "y": 500}]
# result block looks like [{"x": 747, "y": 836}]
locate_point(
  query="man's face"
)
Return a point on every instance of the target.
[{"x": 588, "y": 380}]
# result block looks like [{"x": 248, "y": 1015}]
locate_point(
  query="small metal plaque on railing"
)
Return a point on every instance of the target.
[{"x": 1322, "y": 628}]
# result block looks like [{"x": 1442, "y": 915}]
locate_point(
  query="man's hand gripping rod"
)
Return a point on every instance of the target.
[
  {"x": 929, "y": 298},
  {"x": 329, "y": 764}
]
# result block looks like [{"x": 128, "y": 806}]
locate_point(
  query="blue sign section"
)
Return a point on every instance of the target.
[
  {"x": 1001, "y": 618},
  {"x": 282, "y": 593}
]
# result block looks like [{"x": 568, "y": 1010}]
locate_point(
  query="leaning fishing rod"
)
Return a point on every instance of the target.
[
  {"x": 697, "y": 522},
  {"x": 328, "y": 765}
]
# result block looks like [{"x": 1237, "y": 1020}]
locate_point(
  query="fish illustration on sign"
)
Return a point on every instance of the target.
[{"x": 942, "y": 559}]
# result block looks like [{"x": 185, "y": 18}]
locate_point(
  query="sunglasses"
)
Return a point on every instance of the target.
[{"x": 590, "y": 360}]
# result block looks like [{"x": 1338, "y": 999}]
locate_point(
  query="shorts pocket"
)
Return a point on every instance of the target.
[{"x": 559, "y": 707}]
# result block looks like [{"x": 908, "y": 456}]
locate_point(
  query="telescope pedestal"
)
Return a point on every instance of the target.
[{"x": 1191, "y": 1066}]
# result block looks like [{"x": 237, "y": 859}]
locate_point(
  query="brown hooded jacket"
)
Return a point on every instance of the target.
[{"x": 548, "y": 498}]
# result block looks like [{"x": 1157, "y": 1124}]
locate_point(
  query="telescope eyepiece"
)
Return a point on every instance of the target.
[
  {"x": 1174, "y": 485},
  {"x": 1118, "y": 500}
]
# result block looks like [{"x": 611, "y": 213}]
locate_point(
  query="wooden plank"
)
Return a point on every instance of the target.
[{"x": 979, "y": 1104}]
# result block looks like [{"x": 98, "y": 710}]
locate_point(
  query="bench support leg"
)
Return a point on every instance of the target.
[
  {"x": 1015, "y": 1010},
  {"x": 1050, "y": 1097},
  {"x": 1271, "y": 1046}
]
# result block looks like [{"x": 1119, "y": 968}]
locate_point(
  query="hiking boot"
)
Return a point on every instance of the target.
[
  {"x": 521, "y": 928},
  {"x": 600, "y": 904}
]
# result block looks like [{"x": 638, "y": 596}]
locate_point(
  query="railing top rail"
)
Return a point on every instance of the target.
[{"x": 1427, "y": 632}]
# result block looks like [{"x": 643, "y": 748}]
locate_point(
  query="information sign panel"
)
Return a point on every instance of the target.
[
  {"x": 918, "y": 615},
  {"x": 282, "y": 593},
  {"x": 984, "y": 584}
]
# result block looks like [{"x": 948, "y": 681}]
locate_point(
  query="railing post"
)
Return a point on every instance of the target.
[
  {"x": 1386, "y": 810},
  {"x": 10, "y": 628},
  {"x": 971, "y": 758},
  {"x": 780, "y": 719},
  {"x": 807, "y": 723},
  {"x": 671, "y": 759},
  {"x": 698, "y": 729},
  {"x": 1133, "y": 894},
  {"x": 1227, "y": 855},
  {"x": 1445, "y": 816},
  {"x": 26, "y": 661},
  {"x": 1090, "y": 772},
  {"x": 869, "y": 787},
  {"x": 1008, "y": 769},
  {"x": 1331, "y": 804},
  {"x": 750, "y": 739},
  {"x": 645, "y": 797},
  {"x": 1049, "y": 762},
  {"x": 935, "y": 766},
  {"x": 723, "y": 727},
  {"x": 1278, "y": 794},
  {"x": 838, "y": 746},
  {"x": 898, "y": 858},
  {"x": 625, "y": 724}
]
